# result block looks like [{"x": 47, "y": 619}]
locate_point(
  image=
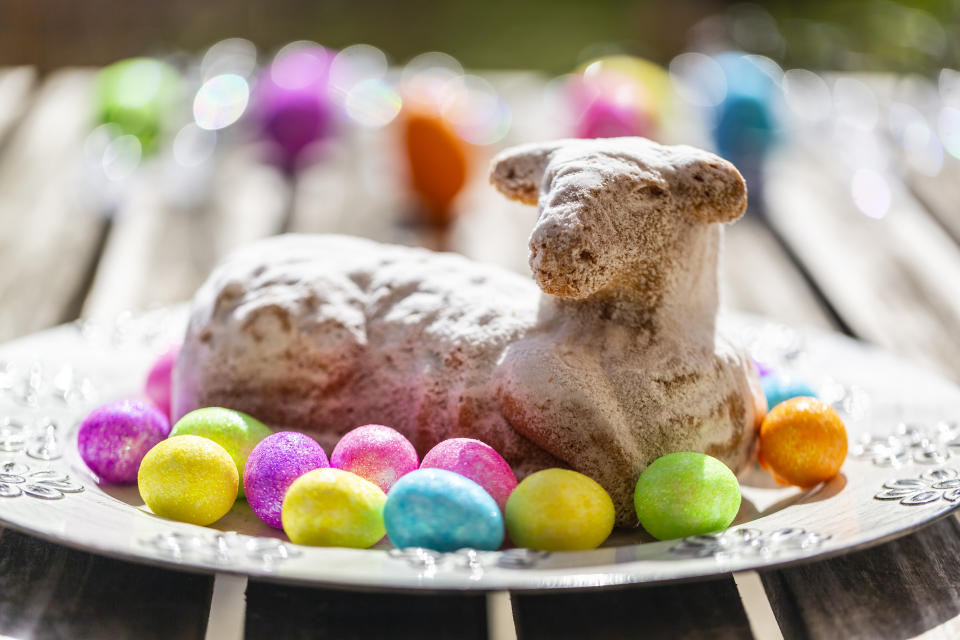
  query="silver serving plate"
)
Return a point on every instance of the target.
[{"x": 902, "y": 473}]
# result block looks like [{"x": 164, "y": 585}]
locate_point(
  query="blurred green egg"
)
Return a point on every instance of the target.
[{"x": 136, "y": 95}]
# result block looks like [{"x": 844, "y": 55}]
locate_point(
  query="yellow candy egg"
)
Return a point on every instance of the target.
[
  {"x": 559, "y": 510},
  {"x": 333, "y": 508},
  {"x": 190, "y": 479}
]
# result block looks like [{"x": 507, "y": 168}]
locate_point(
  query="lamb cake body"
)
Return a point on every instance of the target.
[{"x": 613, "y": 361}]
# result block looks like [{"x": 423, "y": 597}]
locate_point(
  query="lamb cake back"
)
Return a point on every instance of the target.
[{"x": 611, "y": 362}]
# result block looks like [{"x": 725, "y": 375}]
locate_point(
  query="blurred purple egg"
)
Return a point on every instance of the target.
[
  {"x": 376, "y": 453},
  {"x": 477, "y": 461},
  {"x": 113, "y": 439},
  {"x": 271, "y": 468},
  {"x": 293, "y": 102},
  {"x": 157, "y": 387}
]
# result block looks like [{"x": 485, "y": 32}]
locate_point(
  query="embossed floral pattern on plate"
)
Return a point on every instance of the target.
[
  {"x": 737, "y": 543},
  {"x": 929, "y": 486}
]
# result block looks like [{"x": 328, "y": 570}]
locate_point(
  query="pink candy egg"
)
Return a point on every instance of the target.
[
  {"x": 376, "y": 453},
  {"x": 271, "y": 468},
  {"x": 478, "y": 462},
  {"x": 157, "y": 387},
  {"x": 113, "y": 439}
]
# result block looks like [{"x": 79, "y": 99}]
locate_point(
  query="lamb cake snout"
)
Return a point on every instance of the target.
[{"x": 612, "y": 361}]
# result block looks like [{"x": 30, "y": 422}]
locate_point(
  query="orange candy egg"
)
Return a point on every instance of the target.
[
  {"x": 437, "y": 159},
  {"x": 802, "y": 442}
]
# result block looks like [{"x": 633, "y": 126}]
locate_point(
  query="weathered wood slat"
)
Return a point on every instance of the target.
[
  {"x": 158, "y": 253},
  {"x": 757, "y": 276},
  {"x": 278, "y": 611},
  {"x": 898, "y": 590},
  {"x": 49, "y": 591},
  {"x": 16, "y": 84},
  {"x": 891, "y": 280},
  {"x": 697, "y": 610},
  {"x": 53, "y": 240}
]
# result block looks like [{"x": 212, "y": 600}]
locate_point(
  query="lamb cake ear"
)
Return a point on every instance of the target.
[
  {"x": 518, "y": 171},
  {"x": 707, "y": 187}
]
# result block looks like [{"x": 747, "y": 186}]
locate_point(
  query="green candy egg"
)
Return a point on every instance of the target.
[
  {"x": 137, "y": 95},
  {"x": 236, "y": 432},
  {"x": 686, "y": 494}
]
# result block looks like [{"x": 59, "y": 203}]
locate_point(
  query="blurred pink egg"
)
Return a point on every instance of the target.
[
  {"x": 478, "y": 462},
  {"x": 157, "y": 387},
  {"x": 377, "y": 453}
]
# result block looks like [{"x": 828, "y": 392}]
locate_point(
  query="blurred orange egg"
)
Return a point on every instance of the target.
[{"x": 438, "y": 161}]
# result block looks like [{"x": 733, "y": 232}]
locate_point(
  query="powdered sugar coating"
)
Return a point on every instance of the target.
[
  {"x": 376, "y": 453},
  {"x": 159, "y": 380},
  {"x": 271, "y": 468},
  {"x": 114, "y": 438},
  {"x": 477, "y": 461},
  {"x": 613, "y": 362}
]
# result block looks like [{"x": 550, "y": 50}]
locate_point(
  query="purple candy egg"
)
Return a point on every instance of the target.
[
  {"x": 377, "y": 453},
  {"x": 114, "y": 438},
  {"x": 293, "y": 102},
  {"x": 157, "y": 388},
  {"x": 271, "y": 468},
  {"x": 477, "y": 461}
]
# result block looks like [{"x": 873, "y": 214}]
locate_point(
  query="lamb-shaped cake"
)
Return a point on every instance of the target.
[{"x": 611, "y": 363}]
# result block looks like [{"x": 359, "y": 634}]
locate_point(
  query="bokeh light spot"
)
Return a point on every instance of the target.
[{"x": 221, "y": 101}]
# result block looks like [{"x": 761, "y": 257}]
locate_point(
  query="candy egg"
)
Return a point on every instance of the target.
[
  {"x": 293, "y": 102},
  {"x": 157, "y": 387},
  {"x": 438, "y": 162},
  {"x": 778, "y": 388},
  {"x": 442, "y": 510},
  {"x": 113, "y": 439},
  {"x": 190, "y": 479},
  {"x": 559, "y": 510},
  {"x": 271, "y": 468},
  {"x": 684, "y": 494},
  {"x": 477, "y": 461},
  {"x": 136, "y": 95},
  {"x": 803, "y": 442},
  {"x": 377, "y": 453},
  {"x": 333, "y": 508},
  {"x": 236, "y": 432}
]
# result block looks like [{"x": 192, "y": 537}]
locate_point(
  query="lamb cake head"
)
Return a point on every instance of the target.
[{"x": 612, "y": 362}]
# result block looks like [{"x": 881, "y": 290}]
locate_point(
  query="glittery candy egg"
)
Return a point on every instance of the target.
[
  {"x": 684, "y": 494},
  {"x": 113, "y": 439},
  {"x": 190, "y": 479},
  {"x": 377, "y": 453},
  {"x": 236, "y": 432},
  {"x": 333, "y": 508},
  {"x": 559, "y": 510},
  {"x": 442, "y": 510},
  {"x": 803, "y": 442},
  {"x": 272, "y": 467},
  {"x": 477, "y": 461},
  {"x": 778, "y": 388},
  {"x": 157, "y": 387}
]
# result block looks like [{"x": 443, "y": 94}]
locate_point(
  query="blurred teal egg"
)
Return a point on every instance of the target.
[
  {"x": 745, "y": 122},
  {"x": 779, "y": 388}
]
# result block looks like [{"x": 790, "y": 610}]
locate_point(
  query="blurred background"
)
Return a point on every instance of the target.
[{"x": 141, "y": 142}]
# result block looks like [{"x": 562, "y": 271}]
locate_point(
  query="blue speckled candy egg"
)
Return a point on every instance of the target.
[
  {"x": 779, "y": 388},
  {"x": 442, "y": 510}
]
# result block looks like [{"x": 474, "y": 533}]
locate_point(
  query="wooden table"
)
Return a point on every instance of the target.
[{"x": 807, "y": 257}]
